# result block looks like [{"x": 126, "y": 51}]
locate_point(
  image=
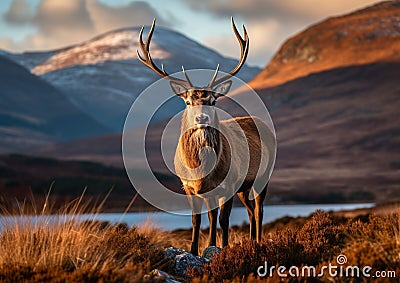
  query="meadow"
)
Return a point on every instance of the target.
[{"x": 73, "y": 251}]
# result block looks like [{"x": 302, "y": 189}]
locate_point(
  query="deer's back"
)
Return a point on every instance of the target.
[{"x": 259, "y": 144}]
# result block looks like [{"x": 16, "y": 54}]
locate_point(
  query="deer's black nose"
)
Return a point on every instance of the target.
[{"x": 202, "y": 119}]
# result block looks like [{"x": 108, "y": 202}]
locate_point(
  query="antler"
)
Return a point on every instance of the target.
[
  {"x": 244, "y": 50},
  {"x": 148, "y": 61}
]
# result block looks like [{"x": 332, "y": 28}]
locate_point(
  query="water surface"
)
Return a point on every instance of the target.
[{"x": 168, "y": 221}]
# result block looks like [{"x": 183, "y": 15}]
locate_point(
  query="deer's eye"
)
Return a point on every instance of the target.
[{"x": 187, "y": 102}]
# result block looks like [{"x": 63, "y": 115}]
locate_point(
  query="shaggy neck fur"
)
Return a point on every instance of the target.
[
  {"x": 197, "y": 143},
  {"x": 202, "y": 157}
]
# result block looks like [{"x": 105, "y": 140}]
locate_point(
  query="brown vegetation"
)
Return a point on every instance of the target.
[
  {"x": 368, "y": 240},
  {"x": 72, "y": 251},
  {"x": 69, "y": 250}
]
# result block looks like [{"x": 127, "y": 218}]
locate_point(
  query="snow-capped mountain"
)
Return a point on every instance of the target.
[
  {"x": 103, "y": 76},
  {"x": 112, "y": 46}
]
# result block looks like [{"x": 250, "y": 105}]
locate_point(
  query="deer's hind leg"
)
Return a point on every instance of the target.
[
  {"x": 250, "y": 206},
  {"x": 259, "y": 210}
]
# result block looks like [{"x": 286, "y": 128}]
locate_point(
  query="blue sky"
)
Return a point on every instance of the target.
[{"x": 49, "y": 24}]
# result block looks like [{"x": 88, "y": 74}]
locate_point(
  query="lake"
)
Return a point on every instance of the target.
[{"x": 168, "y": 221}]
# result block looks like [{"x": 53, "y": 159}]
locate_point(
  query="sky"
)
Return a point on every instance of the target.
[{"x": 32, "y": 25}]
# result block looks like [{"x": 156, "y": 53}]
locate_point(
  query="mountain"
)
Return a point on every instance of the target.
[
  {"x": 338, "y": 127},
  {"x": 338, "y": 131},
  {"x": 338, "y": 135},
  {"x": 34, "y": 113},
  {"x": 333, "y": 91},
  {"x": 28, "y": 59},
  {"x": 336, "y": 116},
  {"x": 362, "y": 37},
  {"x": 102, "y": 76}
]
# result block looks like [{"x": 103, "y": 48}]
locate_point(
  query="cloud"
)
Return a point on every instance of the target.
[
  {"x": 269, "y": 22},
  {"x": 283, "y": 9},
  {"x": 54, "y": 18},
  {"x": 107, "y": 17},
  {"x": 315, "y": 9},
  {"x": 268, "y": 32},
  {"x": 19, "y": 13},
  {"x": 61, "y": 23}
]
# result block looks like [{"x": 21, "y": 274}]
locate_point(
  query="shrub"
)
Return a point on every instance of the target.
[
  {"x": 373, "y": 241},
  {"x": 73, "y": 252},
  {"x": 321, "y": 238}
]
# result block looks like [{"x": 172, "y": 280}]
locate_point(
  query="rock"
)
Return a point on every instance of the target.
[
  {"x": 210, "y": 252},
  {"x": 185, "y": 260},
  {"x": 159, "y": 275},
  {"x": 172, "y": 252}
]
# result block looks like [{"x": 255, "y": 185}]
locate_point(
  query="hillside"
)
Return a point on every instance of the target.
[
  {"x": 338, "y": 130},
  {"x": 34, "y": 113},
  {"x": 23, "y": 177},
  {"x": 362, "y": 37},
  {"x": 338, "y": 133}
]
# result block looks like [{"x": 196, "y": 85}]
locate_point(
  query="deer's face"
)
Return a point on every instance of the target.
[{"x": 200, "y": 111}]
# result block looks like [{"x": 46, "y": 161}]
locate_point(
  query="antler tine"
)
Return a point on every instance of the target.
[
  {"x": 210, "y": 84},
  {"x": 145, "y": 48},
  {"x": 244, "y": 50},
  {"x": 186, "y": 77},
  {"x": 148, "y": 61}
]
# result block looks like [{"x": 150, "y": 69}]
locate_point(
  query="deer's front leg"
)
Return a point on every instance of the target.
[
  {"x": 225, "y": 212},
  {"x": 212, "y": 208},
  {"x": 196, "y": 203}
]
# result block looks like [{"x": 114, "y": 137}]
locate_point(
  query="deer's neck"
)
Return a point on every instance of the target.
[{"x": 196, "y": 143}]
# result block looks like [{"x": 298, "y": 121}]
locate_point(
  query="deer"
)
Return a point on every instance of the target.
[{"x": 211, "y": 165}]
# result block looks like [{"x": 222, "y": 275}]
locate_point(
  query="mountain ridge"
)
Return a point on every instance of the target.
[
  {"x": 105, "y": 86},
  {"x": 360, "y": 37}
]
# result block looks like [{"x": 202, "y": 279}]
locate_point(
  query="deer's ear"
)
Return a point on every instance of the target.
[
  {"x": 223, "y": 88},
  {"x": 178, "y": 89}
]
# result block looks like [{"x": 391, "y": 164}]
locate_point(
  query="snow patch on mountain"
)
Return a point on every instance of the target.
[{"x": 113, "y": 46}]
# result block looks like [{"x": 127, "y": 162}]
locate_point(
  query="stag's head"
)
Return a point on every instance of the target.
[{"x": 200, "y": 101}]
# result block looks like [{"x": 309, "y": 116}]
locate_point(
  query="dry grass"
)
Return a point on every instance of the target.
[{"x": 65, "y": 249}]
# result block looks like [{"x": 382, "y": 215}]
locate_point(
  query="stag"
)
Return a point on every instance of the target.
[{"x": 211, "y": 163}]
